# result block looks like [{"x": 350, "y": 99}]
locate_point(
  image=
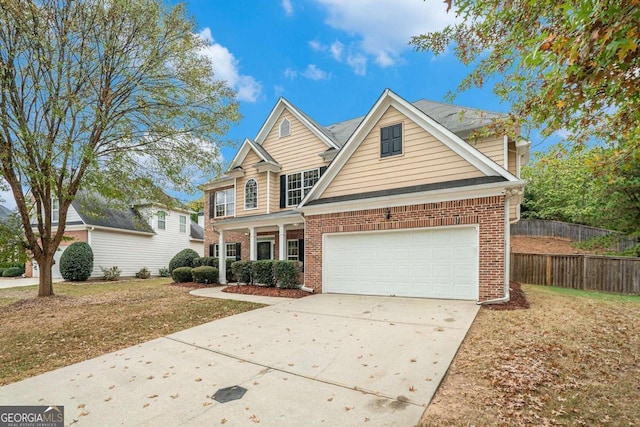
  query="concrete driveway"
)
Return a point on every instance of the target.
[
  {"x": 16, "y": 282},
  {"x": 337, "y": 360}
]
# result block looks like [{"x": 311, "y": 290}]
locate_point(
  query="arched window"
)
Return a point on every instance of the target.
[
  {"x": 285, "y": 128},
  {"x": 251, "y": 194}
]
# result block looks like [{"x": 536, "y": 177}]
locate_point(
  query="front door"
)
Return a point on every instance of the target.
[{"x": 264, "y": 250}]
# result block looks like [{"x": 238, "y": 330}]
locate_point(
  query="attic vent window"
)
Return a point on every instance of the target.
[
  {"x": 285, "y": 128},
  {"x": 391, "y": 140}
]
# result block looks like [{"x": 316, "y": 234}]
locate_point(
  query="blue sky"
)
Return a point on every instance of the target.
[{"x": 330, "y": 58}]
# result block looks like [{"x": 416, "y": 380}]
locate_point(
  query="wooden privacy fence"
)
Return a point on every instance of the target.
[
  {"x": 565, "y": 230},
  {"x": 586, "y": 272}
]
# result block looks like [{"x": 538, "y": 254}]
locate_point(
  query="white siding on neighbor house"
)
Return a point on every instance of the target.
[
  {"x": 131, "y": 251},
  {"x": 72, "y": 215}
]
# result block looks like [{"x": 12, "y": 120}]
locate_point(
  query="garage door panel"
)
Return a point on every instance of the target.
[{"x": 435, "y": 263}]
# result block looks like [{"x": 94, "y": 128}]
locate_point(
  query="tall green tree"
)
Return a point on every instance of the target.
[
  {"x": 563, "y": 65},
  {"x": 111, "y": 96}
]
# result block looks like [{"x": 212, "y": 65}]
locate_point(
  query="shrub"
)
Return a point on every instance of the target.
[
  {"x": 231, "y": 277},
  {"x": 206, "y": 260},
  {"x": 12, "y": 272},
  {"x": 182, "y": 274},
  {"x": 144, "y": 273},
  {"x": 242, "y": 271},
  {"x": 286, "y": 274},
  {"x": 184, "y": 258},
  {"x": 205, "y": 274},
  {"x": 164, "y": 272},
  {"x": 2, "y": 271},
  {"x": 76, "y": 262},
  {"x": 112, "y": 273},
  {"x": 262, "y": 272}
]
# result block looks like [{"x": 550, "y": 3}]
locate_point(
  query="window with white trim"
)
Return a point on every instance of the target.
[
  {"x": 299, "y": 184},
  {"x": 285, "y": 128},
  {"x": 251, "y": 194},
  {"x": 229, "y": 253},
  {"x": 55, "y": 210},
  {"x": 225, "y": 202},
  {"x": 293, "y": 250},
  {"x": 162, "y": 220},
  {"x": 183, "y": 224}
]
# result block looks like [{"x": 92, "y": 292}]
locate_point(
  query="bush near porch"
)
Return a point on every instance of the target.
[{"x": 283, "y": 274}]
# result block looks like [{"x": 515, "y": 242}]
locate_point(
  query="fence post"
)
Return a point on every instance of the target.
[
  {"x": 584, "y": 272},
  {"x": 548, "y": 276}
]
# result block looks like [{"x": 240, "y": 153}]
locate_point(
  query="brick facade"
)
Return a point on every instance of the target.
[
  {"x": 76, "y": 236},
  {"x": 487, "y": 212}
]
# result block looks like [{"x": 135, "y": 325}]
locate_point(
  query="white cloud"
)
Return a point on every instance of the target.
[
  {"x": 278, "y": 90},
  {"x": 336, "y": 50},
  {"x": 288, "y": 7},
  {"x": 358, "y": 63},
  {"x": 226, "y": 67},
  {"x": 384, "y": 27},
  {"x": 290, "y": 73},
  {"x": 317, "y": 46},
  {"x": 314, "y": 73}
]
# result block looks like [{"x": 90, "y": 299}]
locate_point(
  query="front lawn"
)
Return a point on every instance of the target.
[
  {"x": 573, "y": 358},
  {"x": 89, "y": 319}
]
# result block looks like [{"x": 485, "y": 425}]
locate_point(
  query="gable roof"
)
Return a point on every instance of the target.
[
  {"x": 247, "y": 146},
  {"x": 454, "y": 142},
  {"x": 282, "y": 104},
  {"x": 196, "y": 232}
]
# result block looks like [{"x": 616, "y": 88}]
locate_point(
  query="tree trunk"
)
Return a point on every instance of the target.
[{"x": 45, "y": 287}]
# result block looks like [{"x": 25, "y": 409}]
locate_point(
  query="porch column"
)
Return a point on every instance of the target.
[
  {"x": 222, "y": 259},
  {"x": 252, "y": 243},
  {"x": 282, "y": 247}
]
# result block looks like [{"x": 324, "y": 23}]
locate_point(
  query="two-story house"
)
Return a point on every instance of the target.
[
  {"x": 142, "y": 235},
  {"x": 398, "y": 202}
]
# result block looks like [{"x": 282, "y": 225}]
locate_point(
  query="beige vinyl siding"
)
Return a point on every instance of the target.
[
  {"x": 424, "y": 160},
  {"x": 261, "y": 178},
  {"x": 297, "y": 152},
  {"x": 492, "y": 147}
]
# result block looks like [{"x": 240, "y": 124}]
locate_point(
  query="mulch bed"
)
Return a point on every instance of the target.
[
  {"x": 517, "y": 300},
  {"x": 266, "y": 291}
]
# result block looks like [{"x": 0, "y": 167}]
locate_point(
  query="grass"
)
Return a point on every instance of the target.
[
  {"x": 90, "y": 319},
  {"x": 573, "y": 358}
]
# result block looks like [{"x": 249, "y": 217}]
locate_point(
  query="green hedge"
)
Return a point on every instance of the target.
[
  {"x": 213, "y": 262},
  {"x": 12, "y": 272},
  {"x": 262, "y": 272},
  {"x": 205, "y": 274},
  {"x": 242, "y": 272},
  {"x": 76, "y": 262},
  {"x": 184, "y": 258},
  {"x": 182, "y": 274},
  {"x": 286, "y": 274}
]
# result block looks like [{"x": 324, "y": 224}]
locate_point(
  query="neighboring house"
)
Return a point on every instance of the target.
[
  {"x": 4, "y": 213},
  {"x": 399, "y": 202},
  {"x": 144, "y": 235}
]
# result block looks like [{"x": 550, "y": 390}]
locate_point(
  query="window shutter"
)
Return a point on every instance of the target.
[
  {"x": 396, "y": 139},
  {"x": 301, "y": 250},
  {"x": 211, "y": 249},
  {"x": 322, "y": 170},
  {"x": 283, "y": 191},
  {"x": 391, "y": 140},
  {"x": 238, "y": 254},
  {"x": 212, "y": 204}
]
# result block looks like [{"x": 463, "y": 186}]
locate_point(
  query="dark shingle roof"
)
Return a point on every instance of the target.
[
  {"x": 459, "y": 120},
  {"x": 95, "y": 210},
  {"x": 4, "y": 212},
  {"x": 197, "y": 232}
]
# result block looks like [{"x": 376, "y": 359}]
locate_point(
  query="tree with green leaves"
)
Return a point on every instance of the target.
[
  {"x": 562, "y": 65},
  {"x": 109, "y": 96}
]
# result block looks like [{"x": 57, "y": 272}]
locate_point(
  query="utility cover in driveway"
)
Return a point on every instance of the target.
[{"x": 428, "y": 262}]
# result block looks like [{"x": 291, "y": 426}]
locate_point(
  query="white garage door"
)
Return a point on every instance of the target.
[{"x": 431, "y": 263}]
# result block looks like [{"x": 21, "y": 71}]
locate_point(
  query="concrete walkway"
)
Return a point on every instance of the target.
[
  {"x": 216, "y": 292},
  {"x": 337, "y": 360},
  {"x": 15, "y": 282}
]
